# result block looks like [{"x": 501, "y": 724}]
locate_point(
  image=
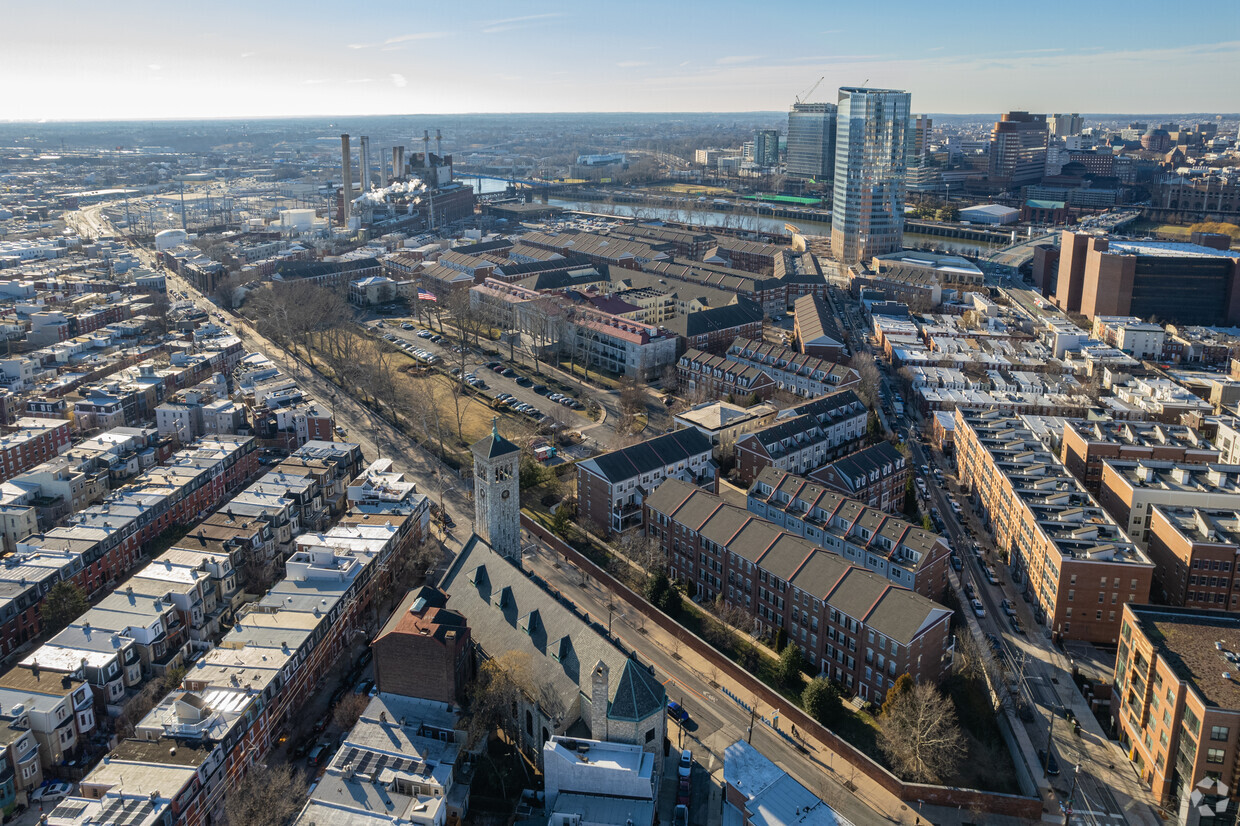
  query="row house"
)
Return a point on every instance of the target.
[
  {"x": 718, "y": 377},
  {"x": 57, "y": 709},
  {"x": 31, "y": 442},
  {"x": 796, "y": 373},
  {"x": 237, "y": 698},
  {"x": 805, "y": 437},
  {"x": 902, "y": 552},
  {"x": 853, "y": 625},
  {"x": 105, "y": 540},
  {"x": 714, "y": 329},
  {"x": 876, "y": 476}
]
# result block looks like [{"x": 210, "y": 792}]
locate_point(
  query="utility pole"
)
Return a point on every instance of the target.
[
  {"x": 1067, "y": 806},
  {"x": 753, "y": 713}
]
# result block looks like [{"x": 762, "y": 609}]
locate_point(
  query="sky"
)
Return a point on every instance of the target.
[{"x": 82, "y": 59}]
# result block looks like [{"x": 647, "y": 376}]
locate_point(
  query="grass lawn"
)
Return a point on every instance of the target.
[{"x": 436, "y": 388}]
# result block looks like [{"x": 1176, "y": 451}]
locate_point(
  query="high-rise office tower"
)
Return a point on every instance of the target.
[
  {"x": 1061, "y": 126},
  {"x": 766, "y": 147},
  {"x": 873, "y": 139},
  {"x": 921, "y": 138},
  {"x": 1018, "y": 149},
  {"x": 811, "y": 141}
]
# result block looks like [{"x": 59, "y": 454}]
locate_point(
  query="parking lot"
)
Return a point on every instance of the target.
[{"x": 513, "y": 383}]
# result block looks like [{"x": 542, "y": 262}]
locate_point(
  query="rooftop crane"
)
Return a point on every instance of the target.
[{"x": 805, "y": 97}]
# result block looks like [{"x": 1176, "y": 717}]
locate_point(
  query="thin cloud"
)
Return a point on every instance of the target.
[
  {"x": 398, "y": 80},
  {"x": 361, "y": 45},
  {"x": 244, "y": 55},
  {"x": 632, "y": 64},
  {"x": 405, "y": 38},
  {"x": 154, "y": 67},
  {"x": 509, "y": 23},
  {"x": 732, "y": 60}
]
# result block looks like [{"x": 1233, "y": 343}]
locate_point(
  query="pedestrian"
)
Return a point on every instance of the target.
[{"x": 794, "y": 730}]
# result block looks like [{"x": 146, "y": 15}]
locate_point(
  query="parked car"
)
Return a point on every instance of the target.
[
  {"x": 677, "y": 712},
  {"x": 956, "y": 563},
  {"x": 680, "y": 817},
  {"x": 51, "y": 791},
  {"x": 685, "y": 768},
  {"x": 340, "y": 431},
  {"x": 317, "y": 755},
  {"x": 363, "y": 688},
  {"x": 684, "y": 791},
  {"x": 540, "y": 389},
  {"x": 978, "y": 609},
  {"x": 406, "y": 326},
  {"x": 1048, "y": 760},
  {"x": 525, "y": 381}
]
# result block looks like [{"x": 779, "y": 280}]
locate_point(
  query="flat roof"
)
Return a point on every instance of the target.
[{"x": 1188, "y": 641}]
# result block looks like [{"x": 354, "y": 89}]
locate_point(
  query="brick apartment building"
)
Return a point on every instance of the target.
[
  {"x": 1176, "y": 705},
  {"x": 714, "y": 329},
  {"x": 805, "y": 437},
  {"x": 1075, "y": 563},
  {"x": 611, "y": 487},
  {"x": 1086, "y": 445},
  {"x": 1194, "y": 556},
  {"x": 854, "y": 625}
]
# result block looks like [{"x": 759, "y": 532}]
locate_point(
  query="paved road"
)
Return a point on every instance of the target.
[{"x": 1107, "y": 788}]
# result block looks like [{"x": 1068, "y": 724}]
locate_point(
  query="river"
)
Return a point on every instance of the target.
[{"x": 767, "y": 223}]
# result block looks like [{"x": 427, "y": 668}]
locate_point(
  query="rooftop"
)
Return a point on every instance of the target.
[{"x": 1199, "y": 646}]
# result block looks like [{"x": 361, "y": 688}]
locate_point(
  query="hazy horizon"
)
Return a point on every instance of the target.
[{"x": 79, "y": 61}]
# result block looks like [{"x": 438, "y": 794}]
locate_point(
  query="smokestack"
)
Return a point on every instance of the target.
[
  {"x": 365, "y": 164},
  {"x": 439, "y": 145},
  {"x": 426, "y": 149},
  {"x": 346, "y": 172}
]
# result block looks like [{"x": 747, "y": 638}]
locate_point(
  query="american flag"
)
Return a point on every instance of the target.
[{"x": 426, "y": 295}]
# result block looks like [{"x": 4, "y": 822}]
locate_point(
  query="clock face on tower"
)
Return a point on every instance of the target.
[{"x": 504, "y": 495}]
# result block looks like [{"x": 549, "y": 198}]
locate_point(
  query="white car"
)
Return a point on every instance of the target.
[
  {"x": 978, "y": 609},
  {"x": 50, "y": 792}
]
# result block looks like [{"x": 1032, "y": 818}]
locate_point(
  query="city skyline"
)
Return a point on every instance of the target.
[{"x": 165, "y": 62}]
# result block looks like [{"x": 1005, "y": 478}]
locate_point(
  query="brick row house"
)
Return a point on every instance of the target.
[{"x": 853, "y": 625}]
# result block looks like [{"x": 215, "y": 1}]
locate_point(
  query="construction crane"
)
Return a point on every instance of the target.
[{"x": 805, "y": 97}]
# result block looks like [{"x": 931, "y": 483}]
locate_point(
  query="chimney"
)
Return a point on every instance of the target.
[
  {"x": 439, "y": 145},
  {"x": 600, "y": 684},
  {"x": 426, "y": 148},
  {"x": 365, "y": 164},
  {"x": 346, "y": 174}
]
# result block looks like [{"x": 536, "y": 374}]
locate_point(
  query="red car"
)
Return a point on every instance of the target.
[{"x": 682, "y": 794}]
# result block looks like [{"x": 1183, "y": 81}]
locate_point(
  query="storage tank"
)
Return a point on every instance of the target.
[
  {"x": 297, "y": 220},
  {"x": 170, "y": 238}
]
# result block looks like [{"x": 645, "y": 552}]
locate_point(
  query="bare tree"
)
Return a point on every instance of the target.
[
  {"x": 921, "y": 735},
  {"x": 871, "y": 379},
  {"x": 349, "y": 710},
  {"x": 266, "y": 796}
]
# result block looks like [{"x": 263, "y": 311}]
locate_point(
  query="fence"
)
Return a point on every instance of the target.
[{"x": 990, "y": 802}]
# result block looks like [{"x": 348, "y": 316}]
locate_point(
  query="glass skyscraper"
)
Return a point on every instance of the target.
[
  {"x": 873, "y": 139},
  {"x": 811, "y": 141}
]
